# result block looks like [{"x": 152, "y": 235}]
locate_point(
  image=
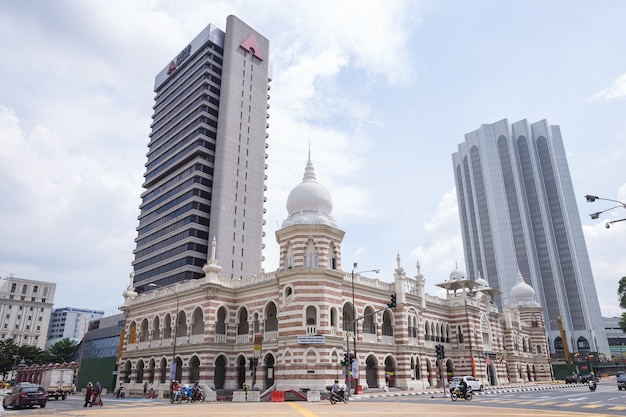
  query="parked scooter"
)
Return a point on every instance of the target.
[{"x": 455, "y": 394}]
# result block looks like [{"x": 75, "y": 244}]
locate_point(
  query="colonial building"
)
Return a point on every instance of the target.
[{"x": 299, "y": 321}]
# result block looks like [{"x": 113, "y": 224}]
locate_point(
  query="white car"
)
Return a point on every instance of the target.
[{"x": 472, "y": 382}]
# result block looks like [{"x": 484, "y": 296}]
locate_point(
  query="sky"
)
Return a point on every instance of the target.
[{"x": 382, "y": 92}]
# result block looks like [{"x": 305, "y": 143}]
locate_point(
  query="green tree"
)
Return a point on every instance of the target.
[
  {"x": 61, "y": 351},
  {"x": 621, "y": 292},
  {"x": 8, "y": 356}
]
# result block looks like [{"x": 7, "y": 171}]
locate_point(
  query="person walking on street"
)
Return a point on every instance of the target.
[
  {"x": 152, "y": 390},
  {"x": 88, "y": 394},
  {"x": 145, "y": 389}
]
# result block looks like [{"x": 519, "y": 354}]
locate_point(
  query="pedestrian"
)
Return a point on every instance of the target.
[
  {"x": 88, "y": 394},
  {"x": 145, "y": 389},
  {"x": 152, "y": 390}
]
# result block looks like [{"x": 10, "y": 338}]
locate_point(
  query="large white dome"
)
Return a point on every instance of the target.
[
  {"x": 309, "y": 202},
  {"x": 522, "y": 294}
]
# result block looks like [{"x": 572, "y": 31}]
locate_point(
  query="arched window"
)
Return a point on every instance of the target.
[
  {"x": 348, "y": 320},
  {"x": 156, "y": 330},
  {"x": 310, "y": 255},
  {"x": 243, "y": 327},
  {"x": 197, "y": 322},
  {"x": 132, "y": 333},
  {"x": 369, "y": 324},
  {"x": 143, "y": 333},
  {"x": 387, "y": 328},
  {"x": 311, "y": 320}
]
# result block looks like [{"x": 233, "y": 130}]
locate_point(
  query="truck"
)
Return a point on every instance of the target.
[{"x": 58, "y": 382}]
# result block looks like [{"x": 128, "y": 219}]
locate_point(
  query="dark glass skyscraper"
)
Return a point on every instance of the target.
[
  {"x": 205, "y": 174},
  {"x": 518, "y": 213}
]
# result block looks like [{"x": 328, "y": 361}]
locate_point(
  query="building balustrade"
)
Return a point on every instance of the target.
[
  {"x": 273, "y": 335},
  {"x": 243, "y": 338}
]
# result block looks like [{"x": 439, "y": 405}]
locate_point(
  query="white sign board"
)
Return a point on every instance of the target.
[{"x": 312, "y": 340}]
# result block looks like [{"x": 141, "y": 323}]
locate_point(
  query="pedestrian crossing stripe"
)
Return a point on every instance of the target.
[{"x": 593, "y": 406}]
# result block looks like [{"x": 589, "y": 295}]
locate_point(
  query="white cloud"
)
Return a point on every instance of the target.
[{"x": 617, "y": 89}]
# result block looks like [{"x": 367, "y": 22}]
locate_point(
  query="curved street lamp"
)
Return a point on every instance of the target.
[
  {"x": 593, "y": 198},
  {"x": 355, "y": 324}
]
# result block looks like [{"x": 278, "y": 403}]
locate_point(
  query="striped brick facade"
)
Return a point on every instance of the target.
[{"x": 219, "y": 319}]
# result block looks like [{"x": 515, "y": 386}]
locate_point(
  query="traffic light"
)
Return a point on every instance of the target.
[
  {"x": 439, "y": 351},
  {"x": 253, "y": 363},
  {"x": 392, "y": 303},
  {"x": 443, "y": 354}
]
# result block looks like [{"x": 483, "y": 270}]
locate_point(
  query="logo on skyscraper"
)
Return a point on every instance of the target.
[
  {"x": 250, "y": 45},
  {"x": 171, "y": 68}
]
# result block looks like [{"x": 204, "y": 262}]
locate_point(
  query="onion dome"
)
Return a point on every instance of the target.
[
  {"x": 457, "y": 275},
  {"x": 309, "y": 202},
  {"x": 522, "y": 294},
  {"x": 482, "y": 283}
]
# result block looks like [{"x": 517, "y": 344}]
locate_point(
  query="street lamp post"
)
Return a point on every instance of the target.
[
  {"x": 82, "y": 344},
  {"x": 173, "y": 366},
  {"x": 592, "y": 198},
  {"x": 354, "y": 327}
]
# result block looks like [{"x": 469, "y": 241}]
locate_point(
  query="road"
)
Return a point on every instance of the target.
[{"x": 513, "y": 402}]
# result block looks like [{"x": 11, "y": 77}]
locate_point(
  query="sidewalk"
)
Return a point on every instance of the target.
[{"x": 435, "y": 392}]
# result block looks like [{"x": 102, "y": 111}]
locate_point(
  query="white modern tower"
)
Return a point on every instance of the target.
[
  {"x": 518, "y": 215},
  {"x": 205, "y": 174}
]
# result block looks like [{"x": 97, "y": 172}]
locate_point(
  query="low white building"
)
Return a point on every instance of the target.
[{"x": 25, "y": 308}]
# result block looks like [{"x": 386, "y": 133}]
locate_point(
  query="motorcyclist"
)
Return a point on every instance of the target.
[
  {"x": 121, "y": 391},
  {"x": 336, "y": 389},
  {"x": 195, "y": 390},
  {"x": 175, "y": 390},
  {"x": 592, "y": 382},
  {"x": 463, "y": 387}
]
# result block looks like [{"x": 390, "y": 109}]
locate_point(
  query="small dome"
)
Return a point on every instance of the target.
[
  {"x": 309, "y": 202},
  {"x": 457, "y": 275},
  {"x": 522, "y": 294},
  {"x": 482, "y": 283}
]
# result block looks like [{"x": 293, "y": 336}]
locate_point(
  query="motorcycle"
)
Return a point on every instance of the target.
[
  {"x": 456, "y": 394},
  {"x": 120, "y": 392},
  {"x": 592, "y": 385},
  {"x": 198, "y": 395},
  {"x": 336, "y": 397},
  {"x": 177, "y": 396}
]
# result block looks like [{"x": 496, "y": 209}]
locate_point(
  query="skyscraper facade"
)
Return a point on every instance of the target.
[
  {"x": 205, "y": 174},
  {"x": 518, "y": 214}
]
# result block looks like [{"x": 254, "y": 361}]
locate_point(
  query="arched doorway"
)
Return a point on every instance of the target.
[
  {"x": 429, "y": 373},
  {"x": 268, "y": 379},
  {"x": 390, "y": 371},
  {"x": 449, "y": 370},
  {"x": 194, "y": 369},
  {"x": 179, "y": 369},
  {"x": 371, "y": 371},
  {"x": 220, "y": 372},
  {"x": 127, "y": 368},
  {"x": 241, "y": 371},
  {"x": 492, "y": 374},
  {"x": 151, "y": 366},
  {"x": 163, "y": 369}
]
